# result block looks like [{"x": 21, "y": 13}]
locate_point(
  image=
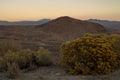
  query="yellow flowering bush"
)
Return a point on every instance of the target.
[
  {"x": 89, "y": 54},
  {"x": 116, "y": 46}
]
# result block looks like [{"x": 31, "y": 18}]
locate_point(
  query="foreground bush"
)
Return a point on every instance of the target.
[
  {"x": 13, "y": 70},
  {"x": 26, "y": 59},
  {"x": 116, "y": 46},
  {"x": 43, "y": 57},
  {"x": 90, "y": 54}
]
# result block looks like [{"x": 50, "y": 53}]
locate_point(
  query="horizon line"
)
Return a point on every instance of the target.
[{"x": 19, "y": 20}]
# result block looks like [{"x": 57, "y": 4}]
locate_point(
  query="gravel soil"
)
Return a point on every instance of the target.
[{"x": 56, "y": 73}]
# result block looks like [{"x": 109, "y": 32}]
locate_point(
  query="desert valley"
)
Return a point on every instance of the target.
[{"x": 51, "y": 34}]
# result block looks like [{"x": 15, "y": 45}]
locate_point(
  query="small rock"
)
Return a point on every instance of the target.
[{"x": 57, "y": 74}]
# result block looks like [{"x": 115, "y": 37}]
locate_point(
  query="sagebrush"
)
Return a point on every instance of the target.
[{"x": 26, "y": 58}]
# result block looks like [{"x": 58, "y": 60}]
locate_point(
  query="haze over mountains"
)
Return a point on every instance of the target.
[
  {"x": 39, "y": 22},
  {"x": 106, "y": 23}
]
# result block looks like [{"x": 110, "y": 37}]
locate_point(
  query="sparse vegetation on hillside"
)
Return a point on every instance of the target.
[
  {"x": 91, "y": 54},
  {"x": 11, "y": 45}
]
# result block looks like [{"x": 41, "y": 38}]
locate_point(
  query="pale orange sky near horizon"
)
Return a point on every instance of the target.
[{"x": 16, "y": 10}]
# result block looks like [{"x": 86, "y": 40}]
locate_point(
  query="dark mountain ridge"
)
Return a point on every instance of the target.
[{"x": 39, "y": 22}]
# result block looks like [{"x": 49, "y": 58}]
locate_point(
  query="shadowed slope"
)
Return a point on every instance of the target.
[{"x": 67, "y": 26}]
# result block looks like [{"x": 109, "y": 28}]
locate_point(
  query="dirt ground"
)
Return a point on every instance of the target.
[{"x": 56, "y": 73}]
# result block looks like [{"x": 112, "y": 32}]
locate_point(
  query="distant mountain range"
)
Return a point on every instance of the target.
[
  {"x": 39, "y": 22},
  {"x": 106, "y": 23}
]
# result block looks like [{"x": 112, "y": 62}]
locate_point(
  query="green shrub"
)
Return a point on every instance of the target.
[
  {"x": 43, "y": 57},
  {"x": 13, "y": 70},
  {"x": 90, "y": 54},
  {"x": 25, "y": 58},
  {"x": 9, "y": 57}
]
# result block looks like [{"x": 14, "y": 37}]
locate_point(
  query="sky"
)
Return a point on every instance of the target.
[{"x": 16, "y": 10}]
